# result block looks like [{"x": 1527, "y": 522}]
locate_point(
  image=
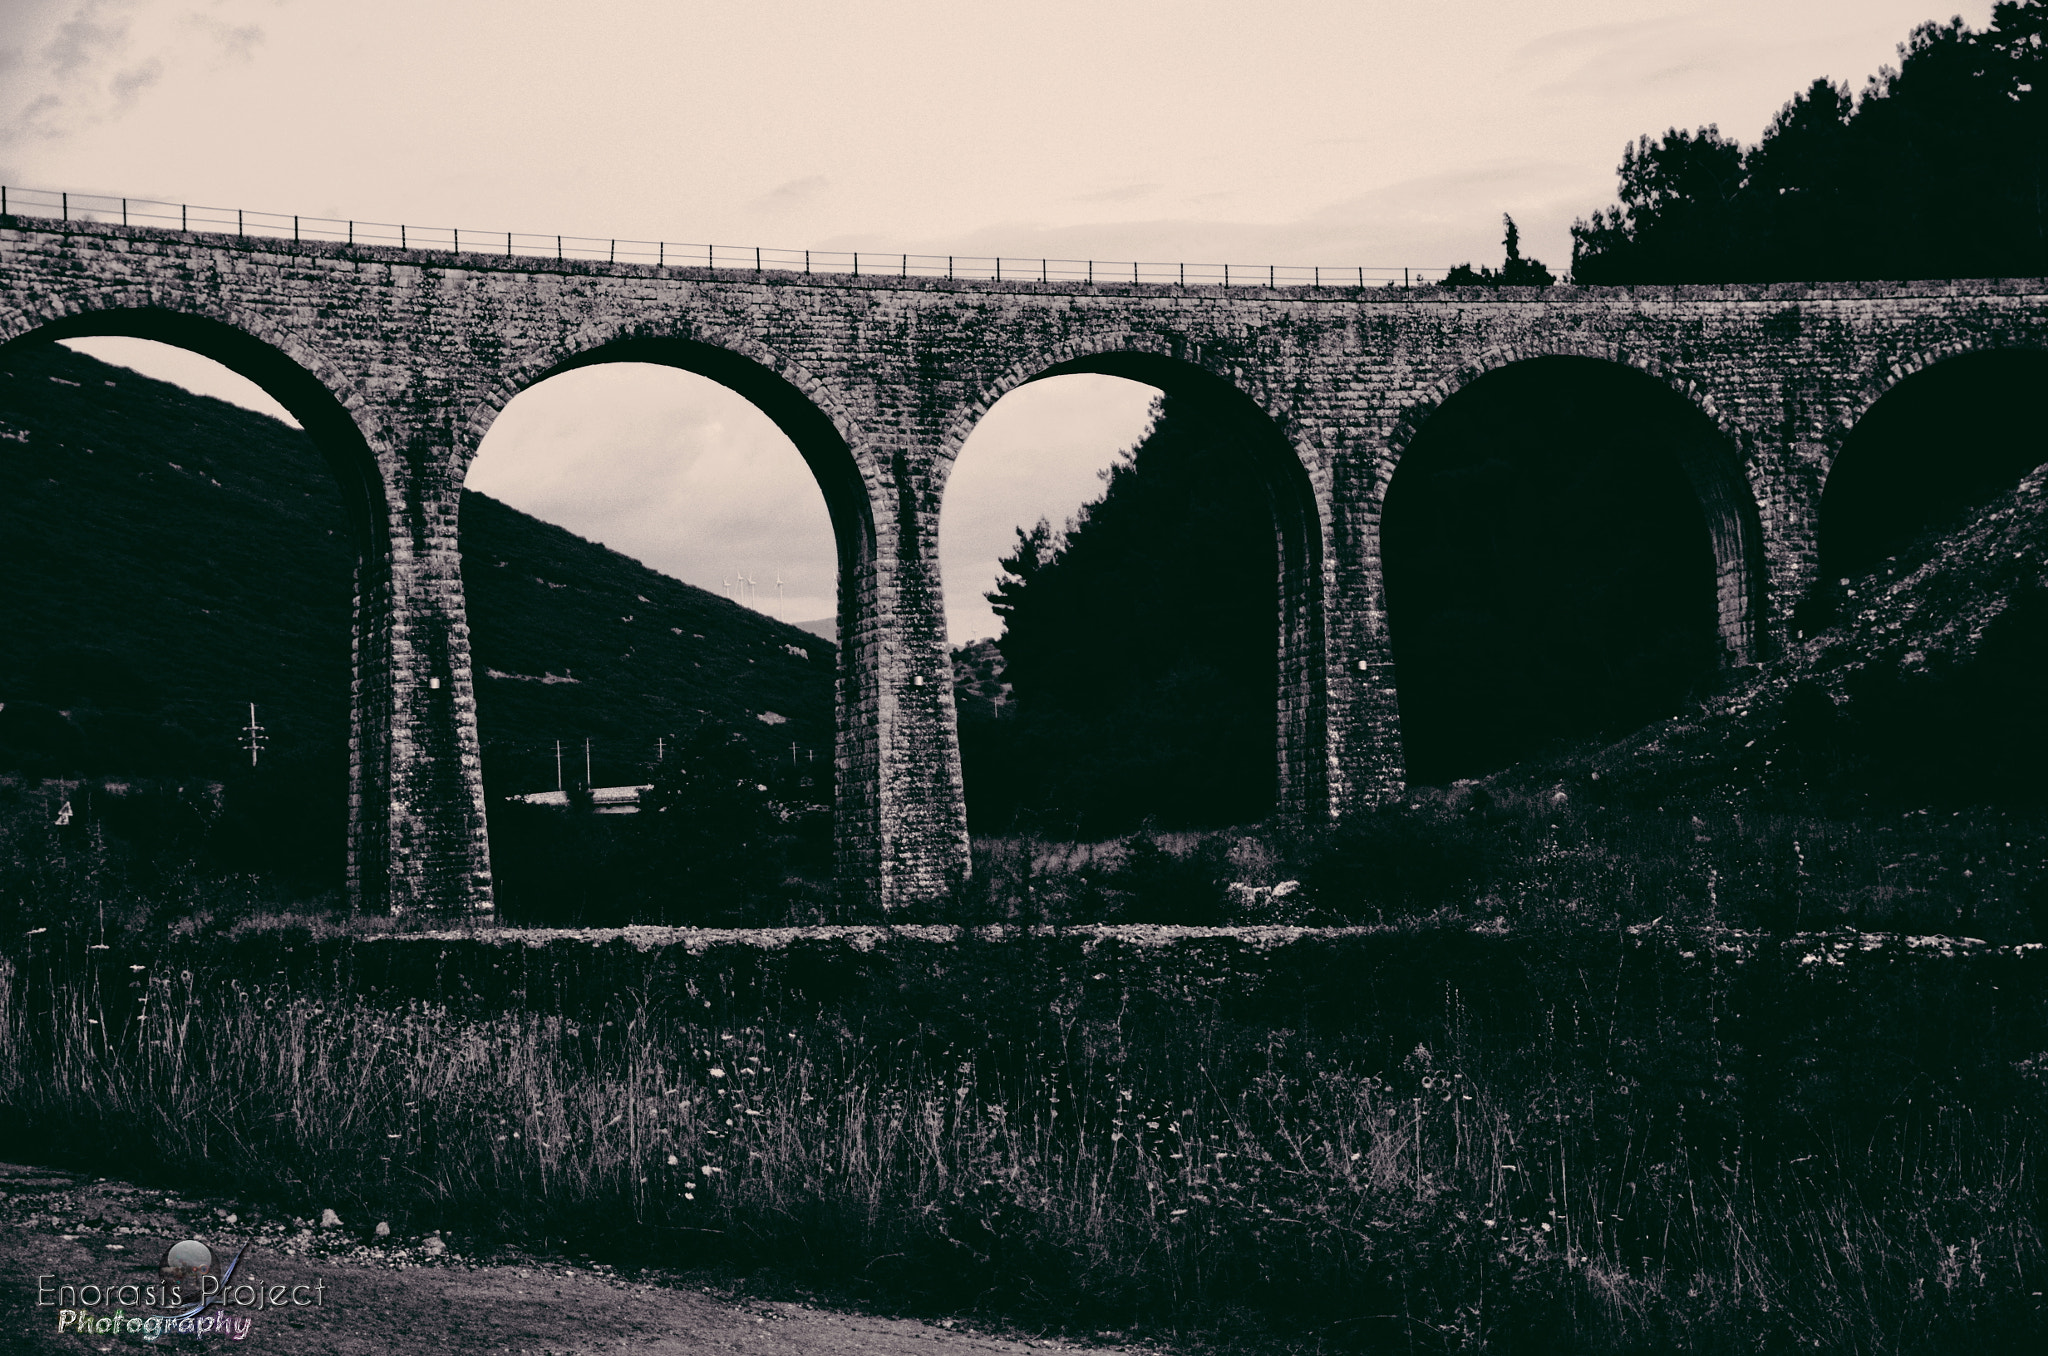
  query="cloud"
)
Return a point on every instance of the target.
[
  {"x": 37, "y": 118},
  {"x": 1425, "y": 222},
  {"x": 786, "y": 197},
  {"x": 85, "y": 37},
  {"x": 1122, "y": 193},
  {"x": 231, "y": 42},
  {"x": 131, "y": 82},
  {"x": 74, "y": 65},
  {"x": 1610, "y": 60},
  {"x": 1595, "y": 39}
]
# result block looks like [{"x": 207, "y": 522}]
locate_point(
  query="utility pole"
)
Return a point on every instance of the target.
[
  {"x": 558, "y": 765},
  {"x": 253, "y": 738},
  {"x": 586, "y": 762}
]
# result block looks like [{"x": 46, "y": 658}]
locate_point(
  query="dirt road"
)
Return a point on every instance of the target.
[{"x": 391, "y": 1296}]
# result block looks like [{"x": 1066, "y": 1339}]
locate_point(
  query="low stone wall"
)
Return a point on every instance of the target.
[{"x": 1827, "y": 1016}]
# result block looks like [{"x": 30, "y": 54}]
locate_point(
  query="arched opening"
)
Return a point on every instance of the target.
[
  {"x": 1158, "y": 658},
  {"x": 1964, "y": 724},
  {"x": 1568, "y": 553},
  {"x": 182, "y": 512},
  {"x": 655, "y": 536},
  {"x": 1944, "y": 441}
]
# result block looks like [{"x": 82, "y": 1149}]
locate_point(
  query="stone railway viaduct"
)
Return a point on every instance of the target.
[{"x": 397, "y": 362}]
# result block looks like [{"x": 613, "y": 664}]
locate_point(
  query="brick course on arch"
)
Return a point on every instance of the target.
[{"x": 418, "y": 350}]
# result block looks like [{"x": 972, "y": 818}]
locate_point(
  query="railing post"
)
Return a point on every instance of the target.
[
  {"x": 1226, "y": 275},
  {"x": 508, "y": 244},
  {"x": 757, "y": 258},
  {"x": 1183, "y": 273},
  {"x": 455, "y": 231},
  {"x": 295, "y": 228},
  {"x": 856, "y": 263},
  {"x": 1091, "y": 273},
  {"x": 1319, "y": 277},
  {"x": 1134, "y": 272},
  {"x": 807, "y": 261},
  {"x": 999, "y": 268},
  {"x": 3, "y": 200},
  {"x": 611, "y": 253},
  {"x": 241, "y": 231},
  {"x": 558, "y": 249},
  {"x": 1269, "y": 275},
  {"x": 67, "y": 205},
  {"x": 903, "y": 270},
  {"x": 660, "y": 253},
  {"x": 949, "y": 268},
  {"x": 124, "y": 212},
  {"x": 1361, "y": 277},
  {"x": 401, "y": 235},
  {"x": 351, "y": 233}
]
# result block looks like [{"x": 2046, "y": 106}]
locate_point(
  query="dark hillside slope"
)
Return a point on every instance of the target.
[
  {"x": 169, "y": 558},
  {"x": 1884, "y": 772},
  {"x": 649, "y": 657}
]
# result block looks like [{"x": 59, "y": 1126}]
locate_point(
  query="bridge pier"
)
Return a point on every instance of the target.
[
  {"x": 416, "y": 800},
  {"x": 902, "y": 825}
]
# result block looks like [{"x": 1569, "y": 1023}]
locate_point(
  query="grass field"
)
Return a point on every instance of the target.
[{"x": 1590, "y": 1183}]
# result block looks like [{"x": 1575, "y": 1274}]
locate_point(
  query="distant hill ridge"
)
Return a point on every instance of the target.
[{"x": 170, "y": 558}]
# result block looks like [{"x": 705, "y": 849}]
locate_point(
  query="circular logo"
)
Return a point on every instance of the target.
[{"x": 186, "y": 1262}]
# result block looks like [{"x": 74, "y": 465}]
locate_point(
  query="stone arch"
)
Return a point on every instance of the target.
[
  {"x": 810, "y": 413},
  {"x": 1301, "y": 525},
  {"x": 824, "y": 432},
  {"x": 318, "y": 394},
  {"x": 1121, "y": 353},
  {"x": 1851, "y": 509},
  {"x": 1726, "y": 493},
  {"x": 328, "y": 404},
  {"x": 1885, "y": 375}
]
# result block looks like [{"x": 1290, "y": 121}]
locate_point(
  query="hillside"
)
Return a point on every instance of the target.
[
  {"x": 1883, "y": 772},
  {"x": 170, "y": 558}
]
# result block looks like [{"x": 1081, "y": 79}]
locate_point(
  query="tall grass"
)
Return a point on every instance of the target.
[{"x": 1275, "y": 1188}]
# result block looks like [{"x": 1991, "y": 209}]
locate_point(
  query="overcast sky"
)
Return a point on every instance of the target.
[{"x": 1327, "y": 133}]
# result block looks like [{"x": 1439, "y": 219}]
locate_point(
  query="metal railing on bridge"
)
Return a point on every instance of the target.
[{"x": 67, "y": 206}]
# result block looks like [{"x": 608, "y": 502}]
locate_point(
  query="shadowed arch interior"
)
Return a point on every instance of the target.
[
  {"x": 318, "y": 410},
  {"x": 1946, "y": 440},
  {"x": 1274, "y": 483},
  {"x": 1569, "y": 552},
  {"x": 200, "y": 548}
]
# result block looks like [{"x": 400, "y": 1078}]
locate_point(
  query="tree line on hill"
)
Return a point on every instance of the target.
[
  {"x": 1139, "y": 644},
  {"x": 1937, "y": 168}
]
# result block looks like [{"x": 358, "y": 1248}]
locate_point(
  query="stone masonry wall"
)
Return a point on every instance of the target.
[{"x": 398, "y": 361}]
